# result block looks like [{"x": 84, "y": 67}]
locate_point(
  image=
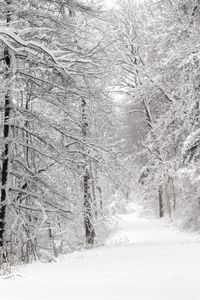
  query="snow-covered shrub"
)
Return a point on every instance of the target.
[
  {"x": 144, "y": 173},
  {"x": 45, "y": 256},
  {"x": 187, "y": 188},
  {"x": 191, "y": 145},
  {"x": 118, "y": 204}
]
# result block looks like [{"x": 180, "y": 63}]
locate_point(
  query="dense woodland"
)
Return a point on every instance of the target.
[{"x": 95, "y": 103}]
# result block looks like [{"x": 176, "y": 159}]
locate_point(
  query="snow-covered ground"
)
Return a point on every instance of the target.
[{"x": 144, "y": 259}]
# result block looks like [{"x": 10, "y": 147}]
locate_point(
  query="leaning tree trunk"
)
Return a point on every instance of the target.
[
  {"x": 87, "y": 181},
  {"x": 6, "y": 134}
]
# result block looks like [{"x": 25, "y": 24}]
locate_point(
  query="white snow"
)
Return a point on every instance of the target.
[{"x": 144, "y": 259}]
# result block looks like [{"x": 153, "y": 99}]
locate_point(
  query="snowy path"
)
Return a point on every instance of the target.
[{"x": 143, "y": 259}]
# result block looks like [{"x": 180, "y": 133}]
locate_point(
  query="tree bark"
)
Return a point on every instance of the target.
[
  {"x": 160, "y": 202},
  {"x": 89, "y": 228},
  {"x": 6, "y": 134},
  {"x": 87, "y": 181}
]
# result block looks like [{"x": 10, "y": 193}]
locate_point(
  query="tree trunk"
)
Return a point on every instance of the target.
[
  {"x": 167, "y": 196},
  {"x": 87, "y": 181},
  {"x": 89, "y": 228},
  {"x": 160, "y": 202},
  {"x": 100, "y": 197},
  {"x": 173, "y": 193},
  {"x": 6, "y": 133},
  {"x": 93, "y": 191}
]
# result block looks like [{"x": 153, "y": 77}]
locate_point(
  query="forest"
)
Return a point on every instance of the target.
[{"x": 97, "y": 102}]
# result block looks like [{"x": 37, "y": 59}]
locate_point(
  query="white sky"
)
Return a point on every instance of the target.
[{"x": 110, "y": 3}]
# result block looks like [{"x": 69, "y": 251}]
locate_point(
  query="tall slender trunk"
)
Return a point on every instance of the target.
[
  {"x": 173, "y": 193},
  {"x": 168, "y": 199},
  {"x": 158, "y": 154},
  {"x": 89, "y": 228},
  {"x": 6, "y": 134},
  {"x": 88, "y": 215},
  {"x": 160, "y": 202},
  {"x": 93, "y": 191},
  {"x": 100, "y": 197}
]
